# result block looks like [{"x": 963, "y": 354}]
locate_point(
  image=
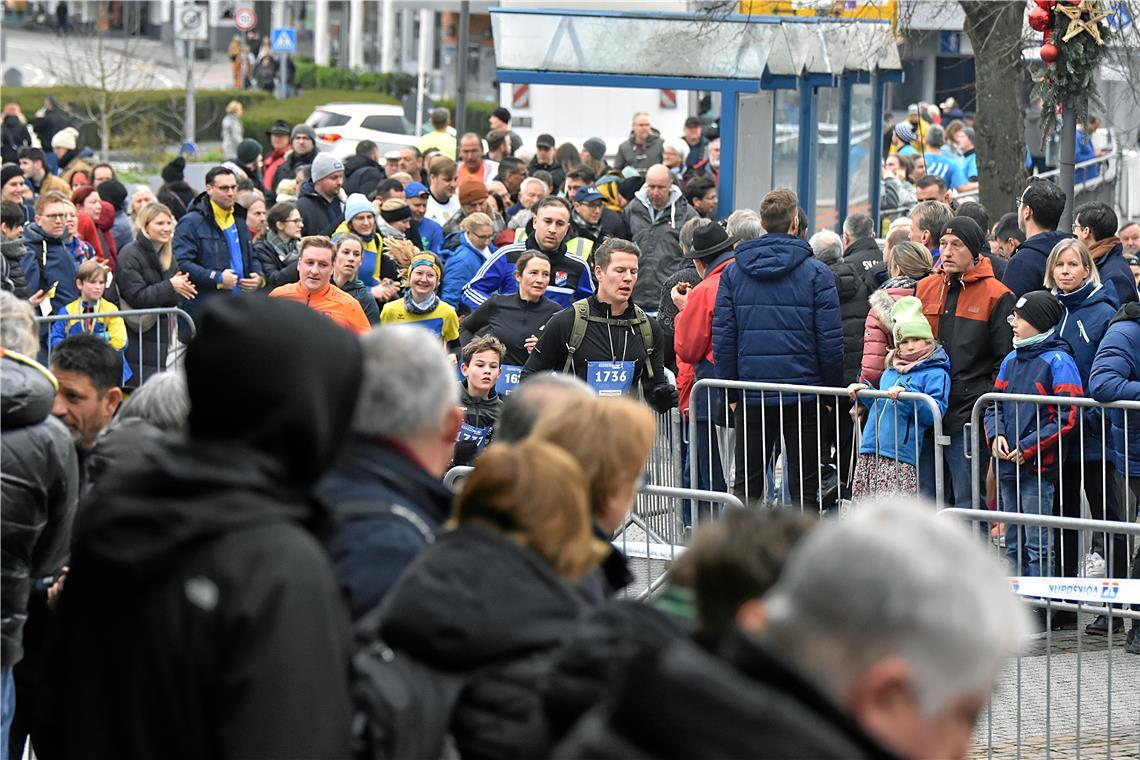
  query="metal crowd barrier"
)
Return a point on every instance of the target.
[
  {"x": 167, "y": 350},
  {"x": 1082, "y": 482},
  {"x": 798, "y": 475},
  {"x": 1067, "y": 691}
]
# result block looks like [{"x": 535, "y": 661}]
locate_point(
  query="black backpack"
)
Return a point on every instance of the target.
[{"x": 403, "y": 706}]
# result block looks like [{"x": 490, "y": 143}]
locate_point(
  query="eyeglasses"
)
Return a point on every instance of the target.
[
  {"x": 61, "y": 217},
  {"x": 226, "y": 188},
  {"x": 294, "y": 220}
]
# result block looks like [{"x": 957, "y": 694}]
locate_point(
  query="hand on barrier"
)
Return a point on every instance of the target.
[
  {"x": 854, "y": 388},
  {"x": 893, "y": 393},
  {"x": 1001, "y": 450},
  {"x": 664, "y": 398}
]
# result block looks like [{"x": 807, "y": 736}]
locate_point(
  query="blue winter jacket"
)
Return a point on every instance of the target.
[
  {"x": 1088, "y": 310},
  {"x": 777, "y": 318},
  {"x": 1115, "y": 376},
  {"x": 1046, "y": 369},
  {"x": 202, "y": 251},
  {"x": 895, "y": 429},
  {"x": 1026, "y": 270},
  {"x": 1116, "y": 274},
  {"x": 460, "y": 267},
  {"x": 48, "y": 262}
]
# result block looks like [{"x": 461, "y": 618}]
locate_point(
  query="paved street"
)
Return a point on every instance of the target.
[{"x": 153, "y": 63}]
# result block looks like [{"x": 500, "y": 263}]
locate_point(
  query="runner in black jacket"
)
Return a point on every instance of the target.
[
  {"x": 516, "y": 317},
  {"x": 612, "y": 352}
]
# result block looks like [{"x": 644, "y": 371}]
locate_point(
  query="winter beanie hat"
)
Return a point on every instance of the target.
[
  {"x": 114, "y": 192},
  {"x": 247, "y": 151},
  {"x": 909, "y": 320},
  {"x": 66, "y": 138},
  {"x": 595, "y": 147},
  {"x": 304, "y": 129},
  {"x": 967, "y": 230},
  {"x": 325, "y": 165},
  {"x": 395, "y": 210},
  {"x": 172, "y": 172},
  {"x": 8, "y": 172},
  {"x": 1040, "y": 309},
  {"x": 357, "y": 203}
]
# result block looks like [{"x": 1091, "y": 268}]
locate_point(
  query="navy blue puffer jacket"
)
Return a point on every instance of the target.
[{"x": 777, "y": 318}]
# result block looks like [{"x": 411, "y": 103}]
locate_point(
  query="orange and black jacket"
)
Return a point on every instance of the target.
[{"x": 968, "y": 315}]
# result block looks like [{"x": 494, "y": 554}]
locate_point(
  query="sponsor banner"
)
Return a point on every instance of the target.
[
  {"x": 1094, "y": 590},
  {"x": 641, "y": 550}
]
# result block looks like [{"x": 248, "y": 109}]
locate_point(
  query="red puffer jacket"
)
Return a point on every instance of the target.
[{"x": 878, "y": 331}]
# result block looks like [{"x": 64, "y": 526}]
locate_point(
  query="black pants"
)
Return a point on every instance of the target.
[
  {"x": 1101, "y": 490},
  {"x": 759, "y": 430}
]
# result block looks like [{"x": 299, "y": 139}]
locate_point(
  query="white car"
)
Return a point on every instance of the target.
[{"x": 341, "y": 126}]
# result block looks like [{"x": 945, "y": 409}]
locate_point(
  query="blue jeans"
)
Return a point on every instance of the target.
[
  {"x": 1029, "y": 497},
  {"x": 958, "y": 485},
  {"x": 7, "y": 709}
]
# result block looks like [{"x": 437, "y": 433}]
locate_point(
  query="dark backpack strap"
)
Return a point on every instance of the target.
[
  {"x": 646, "y": 331},
  {"x": 363, "y": 508},
  {"x": 577, "y": 332}
]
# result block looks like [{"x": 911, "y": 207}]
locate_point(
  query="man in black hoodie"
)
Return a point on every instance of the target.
[
  {"x": 1039, "y": 211},
  {"x": 201, "y": 616}
]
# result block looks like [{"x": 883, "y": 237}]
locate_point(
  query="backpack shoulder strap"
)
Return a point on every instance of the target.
[
  {"x": 366, "y": 508},
  {"x": 646, "y": 330},
  {"x": 577, "y": 332}
]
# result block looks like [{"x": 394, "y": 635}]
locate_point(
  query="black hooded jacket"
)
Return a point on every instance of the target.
[
  {"x": 201, "y": 615},
  {"x": 361, "y": 175},
  {"x": 477, "y": 599},
  {"x": 39, "y": 488}
]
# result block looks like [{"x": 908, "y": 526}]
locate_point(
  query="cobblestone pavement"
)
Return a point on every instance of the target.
[{"x": 1068, "y": 705}]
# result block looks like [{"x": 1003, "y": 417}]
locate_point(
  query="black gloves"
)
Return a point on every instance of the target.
[{"x": 663, "y": 398}]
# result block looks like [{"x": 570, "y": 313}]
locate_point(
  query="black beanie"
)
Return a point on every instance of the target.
[
  {"x": 629, "y": 187},
  {"x": 1040, "y": 309},
  {"x": 9, "y": 171},
  {"x": 114, "y": 192},
  {"x": 172, "y": 172},
  {"x": 967, "y": 230}
]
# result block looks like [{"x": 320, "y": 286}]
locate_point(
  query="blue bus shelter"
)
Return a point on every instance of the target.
[{"x": 802, "y": 99}]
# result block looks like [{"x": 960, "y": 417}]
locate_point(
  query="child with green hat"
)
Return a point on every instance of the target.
[{"x": 892, "y": 437}]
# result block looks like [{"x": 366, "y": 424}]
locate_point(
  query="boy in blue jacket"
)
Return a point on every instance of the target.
[
  {"x": 892, "y": 436},
  {"x": 1026, "y": 438}
]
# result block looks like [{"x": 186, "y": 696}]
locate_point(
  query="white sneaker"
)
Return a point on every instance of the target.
[{"x": 1094, "y": 566}]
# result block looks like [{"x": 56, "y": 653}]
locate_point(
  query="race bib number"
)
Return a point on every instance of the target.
[
  {"x": 471, "y": 433},
  {"x": 508, "y": 379},
  {"x": 610, "y": 378}
]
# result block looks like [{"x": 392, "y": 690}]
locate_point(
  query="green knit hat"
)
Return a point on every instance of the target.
[{"x": 909, "y": 320}]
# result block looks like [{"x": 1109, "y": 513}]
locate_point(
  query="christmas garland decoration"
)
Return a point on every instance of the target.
[{"x": 1074, "y": 37}]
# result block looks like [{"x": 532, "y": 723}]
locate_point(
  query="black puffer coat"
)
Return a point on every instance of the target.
[
  {"x": 39, "y": 488},
  {"x": 854, "y": 289},
  {"x": 145, "y": 284},
  {"x": 475, "y": 599}
]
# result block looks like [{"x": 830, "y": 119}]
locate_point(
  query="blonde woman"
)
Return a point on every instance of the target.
[
  {"x": 148, "y": 278},
  {"x": 494, "y": 594},
  {"x": 613, "y": 462},
  {"x": 232, "y": 132}
]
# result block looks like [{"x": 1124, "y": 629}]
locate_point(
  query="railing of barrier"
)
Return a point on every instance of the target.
[
  {"x": 743, "y": 439},
  {"x": 1068, "y": 690},
  {"x": 1054, "y": 457},
  {"x": 152, "y": 343}
]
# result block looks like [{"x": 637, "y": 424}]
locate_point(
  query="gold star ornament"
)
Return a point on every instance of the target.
[{"x": 1090, "y": 8}]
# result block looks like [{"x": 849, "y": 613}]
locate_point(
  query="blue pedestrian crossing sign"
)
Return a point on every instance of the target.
[{"x": 284, "y": 40}]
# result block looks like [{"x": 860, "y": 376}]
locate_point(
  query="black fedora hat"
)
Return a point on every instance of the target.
[{"x": 710, "y": 239}]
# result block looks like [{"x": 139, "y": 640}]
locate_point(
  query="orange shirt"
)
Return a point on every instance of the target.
[{"x": 334, "y": 303}]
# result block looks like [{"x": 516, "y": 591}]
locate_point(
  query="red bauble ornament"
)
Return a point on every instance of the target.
[
  {"x": 1040, "y": 19},
  {"x": 1046, "y": 4},
  {"x": 1050, "y": 52}
]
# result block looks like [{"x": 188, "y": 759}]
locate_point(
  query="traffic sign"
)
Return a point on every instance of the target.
[
  {"x": 191, "y": 23},
  {"x": 245, "y": 19},
  {"x": 284, "y": 39}
]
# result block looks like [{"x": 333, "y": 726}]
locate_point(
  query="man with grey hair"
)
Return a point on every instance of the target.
[
  {"x": 861, "y": 249},
  {"x": 827, "y": 247},
  {"x": 744, "y": 224},
  {"x": 882, "y": 638},
  {"x": 386, "y": 489},
  {"x": 543, "y": 393},
  {"x": 927, "y": 219}
]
